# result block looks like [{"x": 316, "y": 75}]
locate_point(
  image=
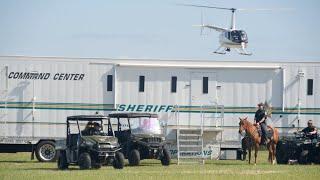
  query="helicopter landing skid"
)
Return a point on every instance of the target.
[
  {"x": 243, "y": 52},
  {"x": 217, "y": 51}
]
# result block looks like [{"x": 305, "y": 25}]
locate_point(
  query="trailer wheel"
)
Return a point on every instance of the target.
[
  {"x": 118, "y": 162},
  {"x": 84, "y": 161},
  {"x": 46, "y": 152},
  {"x": 134, "y": 158},
  {"x": 165, "y": 159},
  {"x": 62, "y": 161}
]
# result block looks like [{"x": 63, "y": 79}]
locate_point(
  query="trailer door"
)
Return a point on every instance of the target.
[
  {"x": 203, "y": 92},
  {"x": 3, "y": 99}
]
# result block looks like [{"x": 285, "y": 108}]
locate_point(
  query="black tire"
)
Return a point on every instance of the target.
[
  {"x": 84, "y": 161},
  {"x": 45, "y": 151},
  {"x": 134, "y": 158},
  {"x": 97, "y": 166},
  {"x": 118, "y": 162},
  {"x": 165, "y": 159},
  {"x": 62, "y": 161},
  {"x": 316, "y": 155},
  {"x": 282, "y": 155},
  {"x": 304, "y": 157}
]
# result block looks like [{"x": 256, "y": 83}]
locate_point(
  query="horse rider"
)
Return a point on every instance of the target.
[
  {"x": 260, "y": 118},
  {"x": 310, "y": 131}
]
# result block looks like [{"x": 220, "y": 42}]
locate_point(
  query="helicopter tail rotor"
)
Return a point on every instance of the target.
[{"x": 202, "y": 24}]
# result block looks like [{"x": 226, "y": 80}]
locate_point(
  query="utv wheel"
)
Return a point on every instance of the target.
[
  {"x": 118, "y": 162},
  {"x": 304, "y": 157},
  {"x": 62, "y": 161},
  {"x": 84, "y": 161},
  {"x": 165, "y": 159},
  {"x": 282, "y": 153},
  {"x": 134, "y": 158},
  {"x": 46, "y": 152}
]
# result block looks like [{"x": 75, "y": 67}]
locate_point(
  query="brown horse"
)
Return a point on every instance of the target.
[{"x": 252, "y": 131}]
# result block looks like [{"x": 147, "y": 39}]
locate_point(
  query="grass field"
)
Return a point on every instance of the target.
[{"x": 19, "y": 166}]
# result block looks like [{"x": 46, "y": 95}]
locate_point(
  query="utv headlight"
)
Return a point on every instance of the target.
[
  {"x": 107, "y": 146},
  {"x": 88, "y": 143}
]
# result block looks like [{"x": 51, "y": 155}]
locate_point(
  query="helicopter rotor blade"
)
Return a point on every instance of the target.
[
  {"x": 203, "y": 6},
  {"x": 265, "y": 9}
]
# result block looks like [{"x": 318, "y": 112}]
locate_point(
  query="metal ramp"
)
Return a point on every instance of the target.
[{"x": 190, "y": 139}]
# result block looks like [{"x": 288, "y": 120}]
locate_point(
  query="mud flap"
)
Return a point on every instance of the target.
[{"x": 32, "y": 153}]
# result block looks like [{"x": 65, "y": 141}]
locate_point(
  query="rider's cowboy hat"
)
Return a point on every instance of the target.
[{"x": 260, "y": 104}]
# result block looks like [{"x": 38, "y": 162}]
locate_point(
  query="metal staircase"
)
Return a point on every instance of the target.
[
  {"x": 190, "y": 145},
  {"x": 190, "y": 142}
]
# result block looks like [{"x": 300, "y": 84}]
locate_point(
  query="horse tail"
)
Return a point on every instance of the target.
[{"x": 275, "y": 135}]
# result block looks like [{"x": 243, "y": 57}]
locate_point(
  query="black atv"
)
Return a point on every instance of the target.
[
  {"x": 140, "y": 137},
  {"x": 91, "y": 147},
  {"x": 301, "y": 148}
]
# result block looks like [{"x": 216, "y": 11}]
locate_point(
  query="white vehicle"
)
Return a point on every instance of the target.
[
  {"x": 230, "y": 38},
  {"x": 38, "y": 93}
]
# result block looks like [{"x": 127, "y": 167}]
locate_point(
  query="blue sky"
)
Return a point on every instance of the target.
[{"x": 156, "y": 29}]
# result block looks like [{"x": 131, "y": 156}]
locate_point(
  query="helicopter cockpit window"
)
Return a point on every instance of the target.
[
  {"x": 227, "y": 35},
  {"x": 238, "y": 36},
  {"x": 243, "y": 36}
]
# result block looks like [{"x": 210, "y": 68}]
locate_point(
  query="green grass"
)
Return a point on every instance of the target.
[{"x": 19, "y": 166}]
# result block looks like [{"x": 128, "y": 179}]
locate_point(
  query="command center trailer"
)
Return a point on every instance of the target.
[{"x": 38, "y": 93}]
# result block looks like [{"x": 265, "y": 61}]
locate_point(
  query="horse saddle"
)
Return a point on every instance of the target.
[{"x": 269, "y": 133}]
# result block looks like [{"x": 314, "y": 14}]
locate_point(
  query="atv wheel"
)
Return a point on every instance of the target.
[
  {"x": 316, "y": 156},
  {"x": 118, "y": 162},
  {"x": 165, "y": 159},
  {"x": 134, "y": 158},
  {"x": 304, "y": 157},
  {"x": 46, "y": 152},
  {"x": 281, "y": 153},
  {"x": 62, "y": 161},
  {"x": 84, "y": 161}
]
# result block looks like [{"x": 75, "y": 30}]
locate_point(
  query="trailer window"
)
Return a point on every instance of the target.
[
  {"x": 141, "y": 83},
  {"x": 109, "y": 83},
  {"x": 205, "y": 82},
  {"x": 310, "y": 87},
  {"x": 173, "y": 84}
]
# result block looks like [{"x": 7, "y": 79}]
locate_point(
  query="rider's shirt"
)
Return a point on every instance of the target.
[
  {"x": 309, "y": 129},
  {"x": 260, "y": 114}
]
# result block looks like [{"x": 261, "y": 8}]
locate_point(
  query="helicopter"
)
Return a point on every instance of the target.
[{"x": 230, "y": 38}]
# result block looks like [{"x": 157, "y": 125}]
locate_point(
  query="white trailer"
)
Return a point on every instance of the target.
[{"x": 38, "y": 93}]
